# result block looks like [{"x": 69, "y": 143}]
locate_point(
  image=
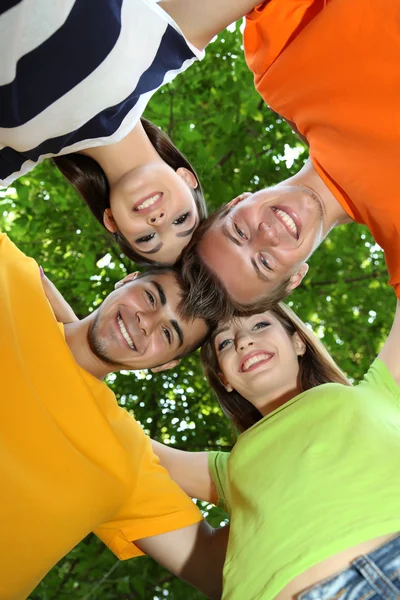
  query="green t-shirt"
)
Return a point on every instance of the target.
[{"x": 316, "y": 476}]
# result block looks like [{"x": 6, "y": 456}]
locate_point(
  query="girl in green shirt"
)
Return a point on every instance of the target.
[{"x": 311, "y": 485}]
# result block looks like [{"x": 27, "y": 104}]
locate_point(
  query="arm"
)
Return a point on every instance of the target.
[
  {"x": 195, "y": 554},
  {"x": 201, "y": 21},
  {"x": 189, "y": 470},
  {"x": 62, "y": 310},
  {"x": 391, "y": 349}
]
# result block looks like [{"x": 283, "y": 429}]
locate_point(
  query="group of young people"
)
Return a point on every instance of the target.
[{"x": 312, "y": 483}]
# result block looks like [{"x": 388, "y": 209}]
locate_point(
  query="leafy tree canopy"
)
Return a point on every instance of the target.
[{"x": 236, "y": 143}]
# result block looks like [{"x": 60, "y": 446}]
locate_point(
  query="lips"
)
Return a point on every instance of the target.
[
  {"x": 127, "y": 336},
  {"x": 289, "y": 220},
  {"x": 252, "y": 361},
  {"x": 147, "y": 204}
]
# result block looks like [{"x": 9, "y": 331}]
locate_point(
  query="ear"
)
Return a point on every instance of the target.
[
  {"x": 238, "y": 199},
  {"x": 169, "y": 365},
  {"x": 188, "y": 177},
  {"x": 299, "y": 345},
  {"x": 224, "y": 382},
  {"x": 297, "y": 278},
  {"x": 126, "y": 279},
  {"x": 109, "y": 222}
]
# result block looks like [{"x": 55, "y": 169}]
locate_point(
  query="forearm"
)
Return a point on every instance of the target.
[
  {"x": 195, "y": 554},
  {"x": 201, "y": 21},
  {"x": 390, "y": 351},
  {"x": 62, "y": 310},
  {"x": 189, "y": 470}
]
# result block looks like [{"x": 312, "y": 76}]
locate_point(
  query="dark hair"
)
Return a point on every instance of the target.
[
  {"x": 90, "y": 181},
  {"x": 316, "y": 367},
  {"x": 184, "y": 311},
  {"x": 207, "y": 290}
]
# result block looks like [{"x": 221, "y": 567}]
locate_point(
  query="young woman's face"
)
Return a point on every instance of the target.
[
  {"x": 154, "y": 209},
  {"x": 259, "y": 359}
]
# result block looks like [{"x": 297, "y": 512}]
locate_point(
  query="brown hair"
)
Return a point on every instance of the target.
[
  {"x": 206, "y": 289},
  {"x": 316, "y": 367},
  {"x": 185, "y": 312},
  {"x": 91, "y": 183}
]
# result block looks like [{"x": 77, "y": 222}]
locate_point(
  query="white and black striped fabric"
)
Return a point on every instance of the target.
[{"x": 79, "y": 73}]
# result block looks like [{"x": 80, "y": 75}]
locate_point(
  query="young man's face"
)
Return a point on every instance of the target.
[
  {"x": 263, "y": 241},
  {"x": 138, "y": 325}
]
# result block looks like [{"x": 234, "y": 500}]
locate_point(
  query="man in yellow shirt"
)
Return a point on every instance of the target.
[{"x": 72, "y": 461}]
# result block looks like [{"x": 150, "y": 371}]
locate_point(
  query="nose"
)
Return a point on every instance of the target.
[
  {"x": 243, "y": 342},
  {"x": 268, "y": 233},
  {"x": 157, "y": 218},
  {"x": 145, "y": 323}
]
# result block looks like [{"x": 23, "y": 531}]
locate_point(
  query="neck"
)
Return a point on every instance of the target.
[
  {"x": 267, "y": 405},
  {"x": 77, "y": 338},
  {"x": 334, "y": 214},
  {"x": 133, "y": 151}
]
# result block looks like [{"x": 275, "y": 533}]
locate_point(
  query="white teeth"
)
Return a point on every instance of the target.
[
  {"x": 253, "y": 360},
  {"x": 148, "y": 202},
  {"x": 125, "y": 334},
  {"x": 287, "y": 220}
]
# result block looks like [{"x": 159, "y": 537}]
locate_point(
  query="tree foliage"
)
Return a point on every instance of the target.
[{"x": 236, "y": 143}]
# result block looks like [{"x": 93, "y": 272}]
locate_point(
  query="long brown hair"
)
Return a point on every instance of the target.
[
  {"x": 316, "y": 367},
  {"x": 90, "y": 181}
]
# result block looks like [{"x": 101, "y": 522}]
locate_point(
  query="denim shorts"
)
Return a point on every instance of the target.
[{"x": 373, "y": 576}]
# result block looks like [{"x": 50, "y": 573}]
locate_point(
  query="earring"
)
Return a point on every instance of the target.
[{"x": 229, "y": 388}]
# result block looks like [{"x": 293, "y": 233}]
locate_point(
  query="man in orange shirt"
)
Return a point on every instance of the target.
[
  {"x": 72, "y": 461},
  {"x": 331, "y": 69}
]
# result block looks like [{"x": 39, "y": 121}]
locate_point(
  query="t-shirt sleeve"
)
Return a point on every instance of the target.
[
  {"x": 270, "y": 27},
  {"x": 380, "y": 377},
  {"x": 157, "y": 505},
  {"x": 218, "y": 466}
]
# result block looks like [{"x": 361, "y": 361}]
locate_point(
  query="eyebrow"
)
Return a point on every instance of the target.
[
  {"x": 188, "y": 232},
  {"x": 161, "y": 293},
  {"x": 259, "y": 273},
  {"x": 163, "y": 300},
  {"x": 156, "y": 249},
  {"x": 178, "y": 330},
  {"x": 228, "y": 234}
]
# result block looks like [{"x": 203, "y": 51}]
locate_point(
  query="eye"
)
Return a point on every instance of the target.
[
  {"x": 167, "y": 334},
  {"x": 151, "y": 298},
  {"x": 261, "y": 325},
  {"x": 240, "y": 232},
  {"x": 224, "y": 344},
  {"x": 181, "y": 219},
  {"x": 145, "y": 238},
  {"x": 265, "y": 263}
]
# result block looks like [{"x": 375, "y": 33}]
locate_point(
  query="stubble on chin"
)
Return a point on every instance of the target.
[{"x": 99, "y": 346}]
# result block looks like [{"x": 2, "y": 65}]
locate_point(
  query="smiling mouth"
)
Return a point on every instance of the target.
[
  {"x": 125, "y": 333},
  {"x": 148, "y": 202},
  {"x": 255, "y": 360},
  {"x": 287, "y": 221}
]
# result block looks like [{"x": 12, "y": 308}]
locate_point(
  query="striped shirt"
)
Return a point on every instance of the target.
[{"x": 75, "y": 74}]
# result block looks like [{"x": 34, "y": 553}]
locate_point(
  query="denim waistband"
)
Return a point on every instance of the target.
[{"x": 371, "y": 576}]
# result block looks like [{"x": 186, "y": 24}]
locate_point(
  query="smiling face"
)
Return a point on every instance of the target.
[
  {"x": 153, "y": 207},
  {"x": 259, "y": 359},
  {"x": 264, "y": 240},
  {"x": 138, "y": 326}
]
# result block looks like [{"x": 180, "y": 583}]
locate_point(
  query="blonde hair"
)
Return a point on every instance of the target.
[{"x": 316, "y": 367}]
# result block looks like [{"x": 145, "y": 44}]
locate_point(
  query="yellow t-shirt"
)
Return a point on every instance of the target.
[{"x": 71, "y": 460}]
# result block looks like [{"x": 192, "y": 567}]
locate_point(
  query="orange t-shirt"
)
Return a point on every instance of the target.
[
  {"x": 333, "y": 68},
  {"x": 71, "y": 460}
]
